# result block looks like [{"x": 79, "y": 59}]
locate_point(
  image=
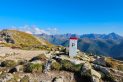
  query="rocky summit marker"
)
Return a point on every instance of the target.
[{"x": 73, "y": 46}]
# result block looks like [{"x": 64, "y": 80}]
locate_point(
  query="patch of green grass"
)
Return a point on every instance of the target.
[
  {"x": 55, "y": 66},
  {"x": 67, "y": 65},
  {"x": 25, "y": 79},
  {"x": 33, "y": 68},
  {"x": 39, "y": 57},
  {"x": 8, "y": 63}
]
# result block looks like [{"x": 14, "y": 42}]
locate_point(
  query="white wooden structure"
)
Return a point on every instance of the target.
[{"x": 73, "y": 46}]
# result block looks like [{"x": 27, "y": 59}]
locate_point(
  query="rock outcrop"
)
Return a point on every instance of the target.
[
  {"x": 88, "y": 71},
  {"x": 100, "y": 61}
]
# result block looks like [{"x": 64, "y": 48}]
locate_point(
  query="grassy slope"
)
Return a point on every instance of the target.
[{"x": 23, "y": 39}]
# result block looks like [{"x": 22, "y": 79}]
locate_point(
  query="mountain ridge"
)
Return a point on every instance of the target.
[
  {"x": 99, "y": 44},
  {"x": 15, "y": 38}
]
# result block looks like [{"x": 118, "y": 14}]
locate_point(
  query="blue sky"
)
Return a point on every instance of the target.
[{"x": 68, "y": 16}]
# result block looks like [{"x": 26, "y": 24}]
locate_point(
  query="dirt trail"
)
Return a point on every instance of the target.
[
  {"x": 67, "y": 76},
  {"x": 14, "y": 54}
]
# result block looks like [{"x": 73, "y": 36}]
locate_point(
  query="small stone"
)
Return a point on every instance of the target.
[
  {"x": 95, "y": 79},
  {"x": 58, "y": 79},
  {"x": 86, "y": 66},
  {"x": 95, "y": 73}
]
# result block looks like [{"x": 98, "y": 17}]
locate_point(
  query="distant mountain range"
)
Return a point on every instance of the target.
[{"x": 99, "y": 44}]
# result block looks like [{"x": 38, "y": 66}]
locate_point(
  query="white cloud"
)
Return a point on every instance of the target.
[
  {"x": 35, "y": 30},
  {"x": 28, "y": 32},
  {"x": 52, "y": 30}
]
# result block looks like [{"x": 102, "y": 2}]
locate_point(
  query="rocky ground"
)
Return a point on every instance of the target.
[{"x": 56, "y": 66}]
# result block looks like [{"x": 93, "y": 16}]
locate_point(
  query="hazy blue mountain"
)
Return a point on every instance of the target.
[
  {"x": 111, "y": 36},
  {"x": 117, "y": 50},
  {"x": 100, "y": 44}
]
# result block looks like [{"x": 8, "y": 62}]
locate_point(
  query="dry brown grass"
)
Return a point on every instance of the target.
[
  {"x": 114, "y": 64},
  {"x": 25, "y": 41}
]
